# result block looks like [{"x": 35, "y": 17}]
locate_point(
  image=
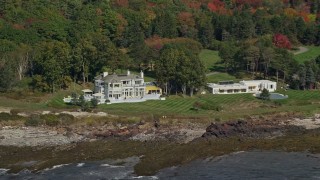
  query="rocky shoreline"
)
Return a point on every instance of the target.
[
  {"x": 169, "y": 144},
  {"x": 153, "y": 131}
]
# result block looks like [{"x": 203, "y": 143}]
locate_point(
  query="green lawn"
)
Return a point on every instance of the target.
[
  {"x": 214, "y": 78},
  {"x": 312, "y": 53},
  {"x": 234, "y": 105},
  {"x": 210, "y": 59},
  {"x": 176, "y": 105}
]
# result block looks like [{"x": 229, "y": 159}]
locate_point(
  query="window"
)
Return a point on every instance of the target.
[
  {"x": 252, "y": 88},
  {"x": 271, "y": 86},
  {"x": 221, "y": 91},
  {"x": 116, "y": 85}
]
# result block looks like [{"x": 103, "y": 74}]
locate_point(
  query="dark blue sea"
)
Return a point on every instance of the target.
[{"x": 239, "y": 165}]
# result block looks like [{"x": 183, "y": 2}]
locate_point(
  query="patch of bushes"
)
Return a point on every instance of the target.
[
  {"x": 7, "y": 117},
  {"x": 34, "y": 120},
  {"x": 206, "y": 106},
  {"x": 50, "y": 119},
  {"x": 15, "y": 112},
  {"x": 66, "y": 119}
]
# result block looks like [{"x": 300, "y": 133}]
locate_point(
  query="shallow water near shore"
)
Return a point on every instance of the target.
[{"x": 239, "y": 165}]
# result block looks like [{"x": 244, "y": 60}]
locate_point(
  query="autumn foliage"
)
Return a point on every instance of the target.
[
  {"x": 216, "y": 5},
  {"x": 281, "y": 41},
  {"x": 252, "y": 3}
]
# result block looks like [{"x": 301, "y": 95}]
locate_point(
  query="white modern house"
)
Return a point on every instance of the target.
[
  {"x": 250, "y": 86},
  {"x": 114, "y": 88}
]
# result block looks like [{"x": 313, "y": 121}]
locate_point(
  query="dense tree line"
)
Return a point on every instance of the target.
[{"x": 57, "y": 42}]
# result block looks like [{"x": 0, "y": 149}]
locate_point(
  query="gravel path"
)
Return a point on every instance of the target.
[
  {"x": 301, "y": 50},
  {"x": 212, "y": 73}
]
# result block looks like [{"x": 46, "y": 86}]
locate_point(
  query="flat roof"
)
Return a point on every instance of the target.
[
  {"x": 87, "y": 91},
  {"x": 228, "y": 86},
  {"x": 256, "y": 81}
]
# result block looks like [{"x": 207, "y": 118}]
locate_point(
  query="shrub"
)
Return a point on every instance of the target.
[
  {"x": 215, "y": 45},
  {"x": 265, "y": 95},
  {"x": 33, "y": 120},
  {"x": 50, "y": 119},
  {"x": 15, "y": 111},
  {"x": 66, "y": 119},
  {"x": 94, "y": 102},
  {"x": 5, "y": 116}
]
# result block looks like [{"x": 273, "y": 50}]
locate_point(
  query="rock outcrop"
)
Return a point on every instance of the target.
[{"x": 250, "y": 128}]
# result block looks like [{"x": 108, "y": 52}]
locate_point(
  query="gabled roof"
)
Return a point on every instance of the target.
[{"x": 115, "y": 78}]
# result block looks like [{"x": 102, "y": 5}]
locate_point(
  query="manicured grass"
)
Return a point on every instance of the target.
[
  {"x": 214, "y": 78},
  {"x": 234, "y": 105},
  {"x": 312, "y": 53},
  {"x": 176, "y": 105},
  {"x": 210, "y": 59}
]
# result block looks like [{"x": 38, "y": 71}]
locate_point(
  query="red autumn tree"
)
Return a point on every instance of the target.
[
  {"x": 216, "y": 5},
  {"x": 281, "y": 41}
]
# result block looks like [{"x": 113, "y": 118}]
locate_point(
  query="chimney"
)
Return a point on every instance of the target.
[
  {"x": 141, "y": 74},
  {"x": 128, "y": 72},
  {"x": 105, "y": 74}
]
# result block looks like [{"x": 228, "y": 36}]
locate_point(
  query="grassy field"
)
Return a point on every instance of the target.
[
  {"x": 312, "y": 53},
  {"x": 214, "y": 78},
  {"x": 210, "y": 59},
  {"x": 234, "y": 105}
]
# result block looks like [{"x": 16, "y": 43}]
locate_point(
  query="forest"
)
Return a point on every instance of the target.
[{"x": 45, "y": 45}]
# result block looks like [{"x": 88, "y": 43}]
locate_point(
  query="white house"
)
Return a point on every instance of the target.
[
  {"x": 113, "y": 88},
  {"x": 251, "y": 86}
]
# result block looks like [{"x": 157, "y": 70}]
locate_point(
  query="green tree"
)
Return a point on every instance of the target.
[
  {"x": 227, "y": 53},
  {"x": 166, "y": 67},
  {"x": 310, "y": 78},
  {"x": 83, "y": 54},
  {"x": 264, "y": 95},
  {"x": 252, "y": 57},
  {"x": 52, "y": 61},
  {"x": 140, "y": 52},
  {"x": 267, "y": 56}
]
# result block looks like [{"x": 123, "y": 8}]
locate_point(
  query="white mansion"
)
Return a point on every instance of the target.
[
  {"x": 251, "y": 86},
  {"x": 119, "y": 88}
]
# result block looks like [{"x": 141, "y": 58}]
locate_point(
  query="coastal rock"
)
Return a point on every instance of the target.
[{"x": 252, "y": 128}]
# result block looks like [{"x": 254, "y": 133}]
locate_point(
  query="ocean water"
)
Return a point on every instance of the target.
[{"x": 240, "y": 165}]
